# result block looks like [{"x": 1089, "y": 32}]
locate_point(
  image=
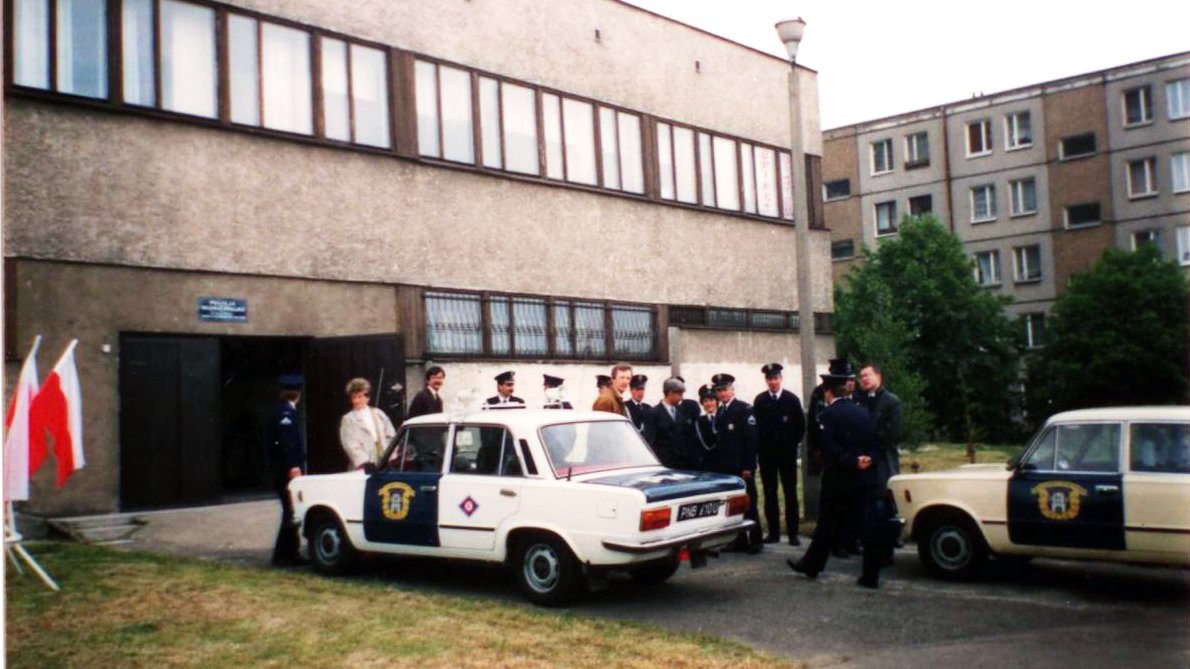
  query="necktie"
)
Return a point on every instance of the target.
[{"x": 672, "y": 414}]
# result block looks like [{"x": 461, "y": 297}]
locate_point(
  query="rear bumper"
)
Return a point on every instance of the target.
[{"x": 693, "y": 539}]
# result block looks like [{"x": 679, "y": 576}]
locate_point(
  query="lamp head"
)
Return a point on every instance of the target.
[{"x": 791, "y": 33}]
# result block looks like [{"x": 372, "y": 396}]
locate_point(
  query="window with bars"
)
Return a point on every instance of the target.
[
  {"x": 733, "y": 319},
  {"x": 537, "y": 327}
]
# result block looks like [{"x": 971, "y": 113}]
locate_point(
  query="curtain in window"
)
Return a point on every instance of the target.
[
  {"x": 243, "y": 53},
  {"x": 453, "y": 324},
  {"x": 285, "y": 67},
  {"x": 136, "y": 18},
  {"x": 82, "y": 47},
  {"x": 188, "y": 58},
  {"x": 31, "y": 46}
]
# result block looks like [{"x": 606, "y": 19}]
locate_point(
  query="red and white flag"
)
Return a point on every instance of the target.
[
  {"x": 16, "y": 430},
  {"x": 58, "y": 410}
]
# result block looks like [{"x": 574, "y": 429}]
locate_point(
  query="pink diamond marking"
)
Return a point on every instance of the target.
[{"x": 469, "y": 506}]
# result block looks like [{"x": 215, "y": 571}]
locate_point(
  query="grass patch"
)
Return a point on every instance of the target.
[{"x": 122, "y": 609}]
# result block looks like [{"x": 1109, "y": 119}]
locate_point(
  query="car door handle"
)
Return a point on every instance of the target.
[
  {"x": 507, "y": 492},
  {"x": 1107, "y": 489},
  {"x": 429, "y": 488}
]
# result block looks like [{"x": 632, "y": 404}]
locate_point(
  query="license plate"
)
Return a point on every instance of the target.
[{"x": 698, "y": 510}]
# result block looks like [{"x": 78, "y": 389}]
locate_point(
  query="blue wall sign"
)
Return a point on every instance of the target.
[{"x": 222, "y": 309}]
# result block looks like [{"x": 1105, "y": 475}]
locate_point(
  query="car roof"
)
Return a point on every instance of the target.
[
  {"x": 1162, "y": 413},
  {"x": 527, "y": 419}
]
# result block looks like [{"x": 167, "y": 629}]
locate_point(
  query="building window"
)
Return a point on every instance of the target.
[
  {"x": 620, "y": 146},
  {"x": 759, "y": 165},
  {"x": 983, "y": 203},
  {"x": 882, "y": 156},
  {"x": 678, "y": 162},
  {"x": 1177, "y": 98},
  {"x": 1027, "y": 263},
  {"x": 920, "y": 205},
  {"x": 987, "y": 268},
  {"x": 1081, "y": 215},
  {"x": 444, "y": 112},
  {"x": 1138, "y": 106},
  {"x": 1184, "y": 244},
  {"x": 515, "y": 326},
  {"x": 979, "y": 138},
  {"x": 836, "y": 190},
  {"x": 886, "y": 218},
  {"x": 518, "y": 118},
  {"x": 79, "y": 61},
  {"x": 1142, "y": 178},
  {"x": 917, "y": 150},
  {"x": 843, "y": 249},
  {"x": 1076, "y": 146},
  {"x": 1034, "y": 327},
  {"x": 187, "y": 58},
  {"x": 703, "y": 168},
  {"x": 1149, "y": 237},
  {"x": 734, "y": 319},
  {"x": 1018, "y": 130},
  {"x": 1024, "y": 196},
  {"x": 1179, "y": 167}
]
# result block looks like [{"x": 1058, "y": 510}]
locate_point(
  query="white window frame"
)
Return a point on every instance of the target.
[
  {"x": 913, "y": 150},
  {"x": 1183, "y": 237},
  {"x": 1177, "y": 98},
  {"x": 873, "y": 148},
  {"x": 1031, "y": 337},
  {"x": 1076, "y": 226},
  {"x": 1016, "y": 197},
  {"x": 985, "y": 137},
  {"x": 826, "y": 197},
  {"x": 1181, "y": 185},
  {"x": 1153, "y": 234},
  {"x": 1012, "y": 131},
  {"x": 993, "y": 279},
  {"x": 893, "y": 228},
  {"x": 1062, "y": 155},
  {"x": 1023, "y": 270},
  {"x": 1146, "y": 106},
  {"x": 992, "y": 213},
  {"x": 1150, "y": 171}
]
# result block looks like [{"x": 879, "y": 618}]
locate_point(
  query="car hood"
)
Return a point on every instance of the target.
[
  {"x": 663, "y": 484},
  {"x": 981, "y": 471}
]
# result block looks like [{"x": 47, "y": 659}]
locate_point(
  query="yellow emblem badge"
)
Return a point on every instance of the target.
[
  {"x": 395, "y": 500},
  {"x": 1059, "y": 500}
]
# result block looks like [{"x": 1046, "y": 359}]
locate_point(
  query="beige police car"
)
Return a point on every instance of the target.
[{"x": 1099, "y": 484}]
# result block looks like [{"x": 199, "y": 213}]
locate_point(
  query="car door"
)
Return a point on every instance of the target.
[
  {"x": 401, "y": 500},
  {"x": 1068, "y": 490},
  {"x": 1158, "y": 489},
  {"x": 481, "y": 489}
]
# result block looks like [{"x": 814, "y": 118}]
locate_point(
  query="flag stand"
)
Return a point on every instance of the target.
[{"x": 12, "y": 546}]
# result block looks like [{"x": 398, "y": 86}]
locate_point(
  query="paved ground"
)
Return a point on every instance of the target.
[{"x": 1047, "y": 613}]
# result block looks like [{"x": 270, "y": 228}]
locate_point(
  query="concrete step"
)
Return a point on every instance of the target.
[{"x": 110, "y": 528}]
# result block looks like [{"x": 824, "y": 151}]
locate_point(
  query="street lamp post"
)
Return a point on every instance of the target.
[{"x": 791, "y": 33}]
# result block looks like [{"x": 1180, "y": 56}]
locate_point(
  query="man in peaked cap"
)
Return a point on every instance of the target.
[
  {"x": 780, "y": 425},
  {"x": 839, "y": 369},
  {"x": 602, "y": 381},
  {"x": 638, "y": 410},
  {"x": 505, "y": 384},
  {"x": 735, "y": 427},
  {"x": 287, "y": 460},
  {"x": 554, "y": 383}
]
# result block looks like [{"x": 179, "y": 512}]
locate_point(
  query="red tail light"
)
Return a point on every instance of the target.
[
  {"x": 654, "y": 519},
  {"x": 738, "y": 505}
]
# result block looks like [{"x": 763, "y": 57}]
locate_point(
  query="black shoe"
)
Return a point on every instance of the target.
[
  {"x": 841, "y": 553},
  {"x": 773, "y": 539},
  {"x": 794, "y": 541},
  {"x": 800, "y": 567},
  {"x": 865, "y": 582}
]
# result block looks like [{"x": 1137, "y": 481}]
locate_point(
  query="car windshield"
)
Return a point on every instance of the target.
[{"x": 582, "y": 448}]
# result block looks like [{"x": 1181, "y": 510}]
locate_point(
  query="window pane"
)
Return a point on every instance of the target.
[
  {"x": 578, "y": 125},
  {"x": 489, "y": 122},
  {"x": 766, "y": 183},
  {"x": 457, "y": 141},
  {"x": 520, "y": 128},
  {"x": 137, "y": 37},
  {"x": 665, "y": 163},
  {"x": 562, "y": 330},
  {"x": 245, "y": 84},
  {"x": 425, "y": 85},
  {"x": 632, "y": 331},
  {"x": 477, "y": 450},
  {"x": 188, "y": 58},
  {"x": 727, "y": 180},
  {"x": 1177, "y": 98},
  {"x": 551, "y": 111},
  {"x": 786, "y": 165},
  {"x": 82, "y": 47},
  {"x": 369, "y": 94},
  {"x": 746, "y": 161},
  {"x": 706, "y": 168},
  {"x": 632, "y": 167},
  {"x": 1089, "y": 448},
  {"x": 609, "y": 148},
  {"x": 500, "y": 325},
  {"x": 285, "y": 67},
  {"x": 1180, "y": 168},
  {"x": 334, "y": 89},
  {"x": 685, "y": 173},
  {"x": 530, "y": 326},
  {"x": 453, "y": 323},
  {"x": 589, "y": 330},
  {"x": 1160, "y": 447},
  {"x": 31, "y": 43}
]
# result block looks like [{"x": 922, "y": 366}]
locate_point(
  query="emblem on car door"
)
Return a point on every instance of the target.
[
  {"x": 1059, "y": 500},
  {"x": 395, "y": 500}
]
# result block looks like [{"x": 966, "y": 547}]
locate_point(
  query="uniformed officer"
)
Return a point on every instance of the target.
[
  {"x": 839, "y": 367},
  {"x": 602, "y": 381},
  {"x": 671, "y": 426},
  {"x": 552, "y": 385},
  {"x": 505, "y": 384},
  {"x": 638, "y": 409},
  {"x": 287, "y": 461},
  {"x": 779, "y": 426},
  {"x": 705, "y": 440},
  {"x": 736, "y": 453}
]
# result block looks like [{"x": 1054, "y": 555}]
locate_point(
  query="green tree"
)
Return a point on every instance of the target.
[
  {"x": 914, "y": 305},
  {"x": 1118, "y": 336}
]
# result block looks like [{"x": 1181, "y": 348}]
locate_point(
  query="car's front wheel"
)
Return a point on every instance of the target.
[
  {"x": 330, "y": 548},
  {"x": 546, "y": 571},
  {"x": 951, "y": 547}
]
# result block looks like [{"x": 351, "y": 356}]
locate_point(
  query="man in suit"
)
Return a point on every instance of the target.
[
  {"x": 287, "y": 459},
  {"x": 850, "y": 460},
  {"x": 552, "y": 385},
  {"x": 735, "y": 427},
  {"x": 638, "y": 410},
  {"x": 505, "y": 384},
  {"x": 429, "y": 400},
  {"x": 611, "y": 399},
  {"x": 671, "y": 426},
  {"x": 779, "y": 426},
  {"x": 886, "y": 411}
]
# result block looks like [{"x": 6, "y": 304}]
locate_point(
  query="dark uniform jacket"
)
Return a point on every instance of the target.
[
  {"x": 814, "y": 429},
  {"x": 885, "y": 409},
  {"x": 704, "y": 441},
  {"x": 779, "y": 424},
  {"x": 672, "y": 437},
  {"x": 512, "y": 399},
  {"x": 283, "y": 437},
  {"x": 848, "y": 432},
  {"x": 639, "y": 413},
  {"x": 735, "y": 427},
  {"x": 425, "y": 403}
]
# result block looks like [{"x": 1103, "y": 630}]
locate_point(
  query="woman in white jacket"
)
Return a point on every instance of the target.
[{"x": 364, "y": 432}]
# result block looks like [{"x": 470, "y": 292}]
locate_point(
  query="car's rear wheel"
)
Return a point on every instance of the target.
[
  {"x": 546, "y": 570},
  {"x": 951, "y": 547},
  {"x": 330, "y": 549},
  {"x": 655, "y": 574}
]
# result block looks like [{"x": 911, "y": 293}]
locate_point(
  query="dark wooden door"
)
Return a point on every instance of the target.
[
  {"x": 169, "y": 421},
  {"x": 330, "y": 364}
]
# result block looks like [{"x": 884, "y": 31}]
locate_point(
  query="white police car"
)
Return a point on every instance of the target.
[
  {"x": 558, "y": 495},
  {"x": 1101, "y": 484}
]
